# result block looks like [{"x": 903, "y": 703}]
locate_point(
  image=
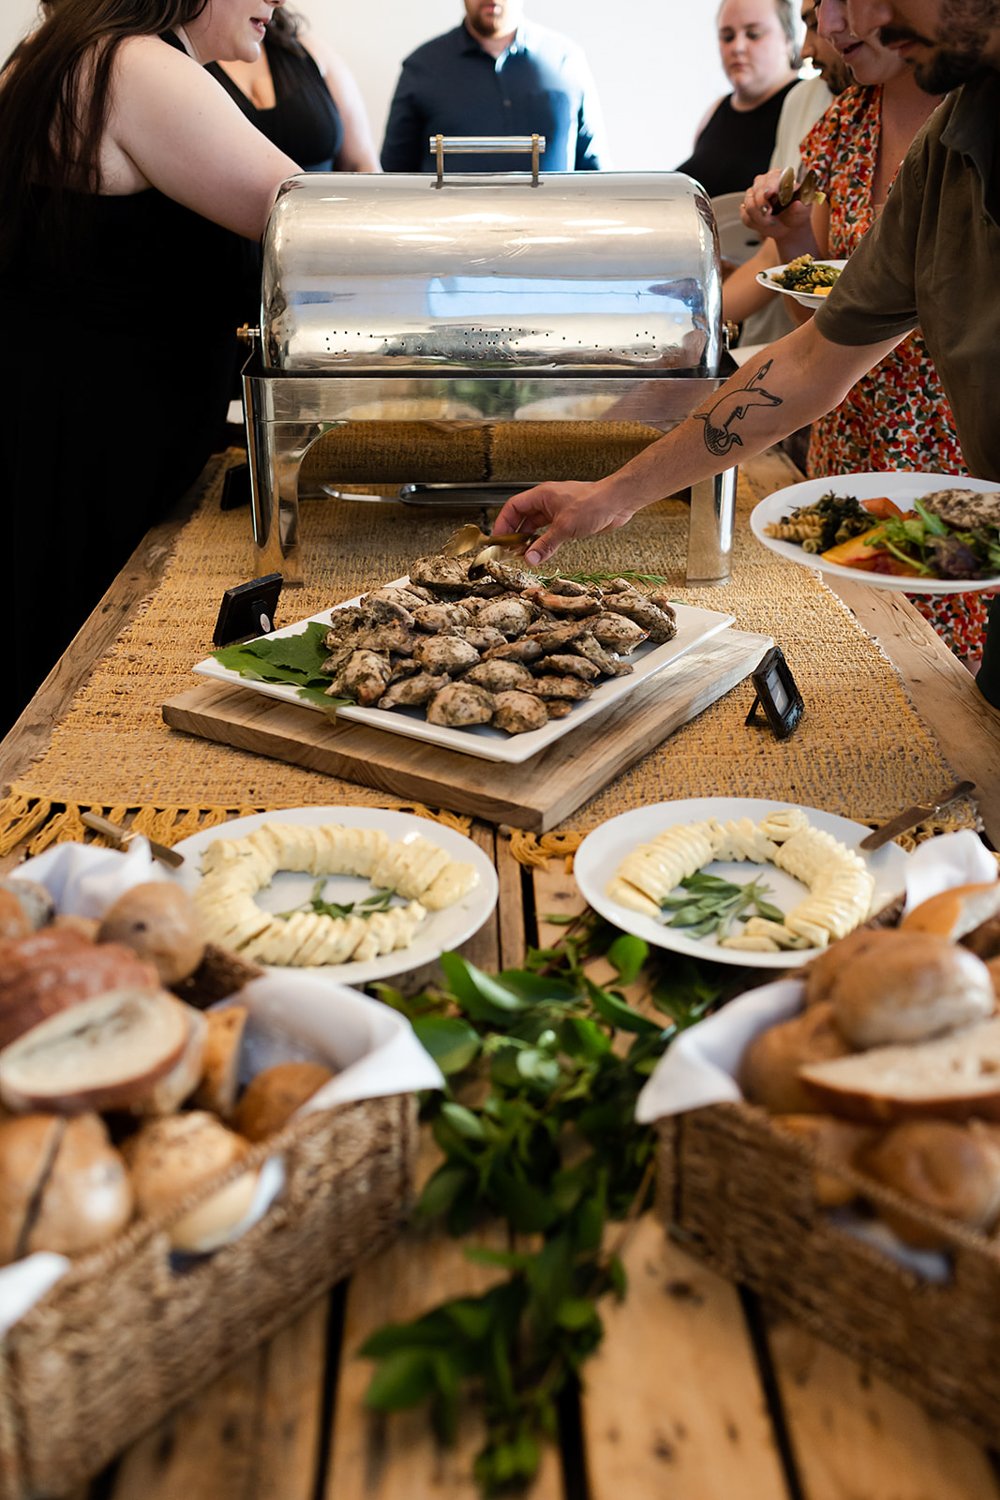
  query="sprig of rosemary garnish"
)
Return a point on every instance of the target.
[
  {"x": 713, "y": 904},
  {"x": 537, "y": 1129},
  {"x": 627, "y": 573},
  {"x": 379, "y": 901}
]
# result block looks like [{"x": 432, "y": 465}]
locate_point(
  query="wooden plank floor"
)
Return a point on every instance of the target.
[{"x": 693, "y": 1395}]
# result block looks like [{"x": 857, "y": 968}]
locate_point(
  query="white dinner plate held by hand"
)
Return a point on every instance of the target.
[
  {"x": 603, "y": 850},
  {"x": 807, "y": 299}
]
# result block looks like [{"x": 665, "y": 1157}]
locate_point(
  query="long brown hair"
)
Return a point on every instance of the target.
[{"x": 50, "y": 130}]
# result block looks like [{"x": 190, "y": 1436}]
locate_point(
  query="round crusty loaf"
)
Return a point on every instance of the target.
[
  {"x": 56, "y": 968},
  {"x": 908, "y": 986},
  {"x": 833, "y": 1141},
  {"x": 956, "y": 912},
  {"x": 273, "y": 1096},
  {"x": 160, "y": 922},
  {"x": 769, "y": 1072},
  {"x": 820, "y": 972},
  {"x": 171, "y": 1157},
  {"x": 27, "y": 1150},
  {"x": 104, "y": 1053},
  {"x": 952, "y": 1077},
  {"x": 86, "y": 1198},
  {"x": 953, "y": 1169}
]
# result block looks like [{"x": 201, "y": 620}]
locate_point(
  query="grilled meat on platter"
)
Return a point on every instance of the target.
[{"x": 487, "y": 642}]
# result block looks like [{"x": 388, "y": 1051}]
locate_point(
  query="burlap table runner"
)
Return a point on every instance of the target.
[{"x": 861, "y": 750}]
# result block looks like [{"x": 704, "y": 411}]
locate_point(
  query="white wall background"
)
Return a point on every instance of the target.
[{"x": 655, "y": 61}]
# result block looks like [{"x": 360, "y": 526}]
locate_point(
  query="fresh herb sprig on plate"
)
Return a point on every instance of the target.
[
  {"x": 379, "y": 901},
  {"x": 537, "y": 1130},
  {"x": 629, "y": 574},
  {"x": 712, "y": 904}
]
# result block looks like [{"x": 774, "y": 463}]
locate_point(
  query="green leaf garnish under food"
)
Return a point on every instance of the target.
[{"x": 293, "y": 659}]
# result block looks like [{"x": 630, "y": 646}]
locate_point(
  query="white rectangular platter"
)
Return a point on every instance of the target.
[{"x": 693, "y": 626}]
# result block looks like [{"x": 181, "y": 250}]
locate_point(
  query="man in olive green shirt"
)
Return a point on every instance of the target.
[{"x": 932, "y": 259}]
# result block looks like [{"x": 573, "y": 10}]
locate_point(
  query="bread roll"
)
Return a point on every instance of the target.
[
  {"x": 954, "y": 1077},
  {"x": 14, "y": 922},
  {"x": 36, "y": 903},
  {"x": 820, "y": 972},
  {"x": 27, "y": 1149},
  {"x": 220, "y": 1079},
  {"x": 86, "y": 1197},
  {"x": 105, "y": 1053},
  {"x": 274, "y": 1095},
  {"x": 160, "y": 922},
  {"x": 953, "y": 913},
  {"x": 56, "y": 968},
  {"x": 170, "y": 1158},
  {"x": 953, "y": 1169},
  {"x": 769, "y": 1073},
  {"x": 834, "y": 1141},
  {"x": 169, "y": 1092},
  {"x": 908, "y": 986}
]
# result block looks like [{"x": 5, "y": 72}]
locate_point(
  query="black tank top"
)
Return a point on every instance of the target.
[
  {"x": 304, "y": 121},
  {"x": 735, "y": 145}
]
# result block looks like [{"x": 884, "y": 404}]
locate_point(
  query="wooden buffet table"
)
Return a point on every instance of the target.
[{"x": 695, "y": 1394}]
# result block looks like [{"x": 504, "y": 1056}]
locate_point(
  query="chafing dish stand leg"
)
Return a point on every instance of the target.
[
  {"x": 274, "y": 493},
  {"x": 710, "y": 529}
]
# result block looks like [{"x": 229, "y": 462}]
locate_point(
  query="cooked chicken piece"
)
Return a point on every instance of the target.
[
  {"x": 444, "y": 576},
  {"x": 519, "y": 712},
  {"x": 561, "y": 687},
  {"x": 409, "y": 595},
  {"x": 344, "y": 625},
  {"x": 390, "y": 636},
  {"x": 570, "y": 588},
  {"x": 509, "y": 614},
  {"x": 558, "y": 708},
  {"x": 964, "y": 509},
  {"x": 577, "y": 606},
  {"x": 501, "y": 676},
  {"x": 336, "y": 659},
  {"x": 435, "y": 617},
  {"x": 386, "y": 607},
  {"x": 445, "y": 653},
  {"x": 403, "y": 666},
  {"x": 412, "y": 691},
  {"x": 663, "y": 601},
  {"x": 460, "y": 704},
  {"x": 569, "y": 666},
  {"x": 617, "y": 632},
  {"x": 553, "y": 637},
  {"x": 524, "y": 649},
  {"x": 510, "y": 574},
  {"x": 616, "y": 586},
  {"x": 363, "y": 677},
  {"x": 483, "y": 637},
  {"x": 588, "y": 645},
  {"x": 640, "y": 608}
]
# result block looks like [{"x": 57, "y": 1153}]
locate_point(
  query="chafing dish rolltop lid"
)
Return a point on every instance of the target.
[{"x": 575, "y": 286}]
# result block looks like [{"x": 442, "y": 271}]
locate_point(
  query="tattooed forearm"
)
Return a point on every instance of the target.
[{"x": 731, "y": 407}]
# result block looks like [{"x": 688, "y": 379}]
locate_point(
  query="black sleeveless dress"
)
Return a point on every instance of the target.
[
  {"x": 735, "y": 145},
  {"x": 120, "y": 317},
  {"x": 304, "y": 122}
]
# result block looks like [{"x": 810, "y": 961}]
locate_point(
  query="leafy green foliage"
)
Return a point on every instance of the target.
[
  {"x": 536, "y": 1129},
  {"x": 627, "y": 573},
  {"x": 293, "y": 659},
  {"x": 378, "y": 901}
]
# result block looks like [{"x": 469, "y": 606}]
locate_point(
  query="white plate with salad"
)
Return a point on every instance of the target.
[
  {"x": 785, "y": 279},
  {"x": 603, "y": 850},
  {"x": 914, "y": 541}
]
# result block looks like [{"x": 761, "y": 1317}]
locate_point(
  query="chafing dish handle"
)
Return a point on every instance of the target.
[{"x": 483, "y": 145}]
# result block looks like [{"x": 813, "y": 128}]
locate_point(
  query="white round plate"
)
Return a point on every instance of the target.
[
  {"x": 602, "y": 851},
  {"x": 442, "y": 930},
  {"x": 807, "y": 299},
  {"x": 898, "y": 486}
]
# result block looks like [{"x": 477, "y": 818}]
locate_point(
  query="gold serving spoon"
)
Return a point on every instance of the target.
[{"x": 471, "y": 538}]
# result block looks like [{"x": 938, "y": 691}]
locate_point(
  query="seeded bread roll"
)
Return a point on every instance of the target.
[
  {"x": 171, "y": 1157},
  {"x": 274, "y": 1095},
  {"x": 769, "y": 1074},
  {"x": 954, "y": 1077},
  {"x": 907, "y": 987},
  {"x": 953, "y": 1169}
]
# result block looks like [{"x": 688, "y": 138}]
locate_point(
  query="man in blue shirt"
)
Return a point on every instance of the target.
[{"x": 495, "y": 75}]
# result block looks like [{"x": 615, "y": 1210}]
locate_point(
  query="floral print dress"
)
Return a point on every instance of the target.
[{"x": 897, "y": 416}]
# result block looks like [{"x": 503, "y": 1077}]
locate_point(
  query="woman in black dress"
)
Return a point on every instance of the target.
[{"x": 129, "y": 183}]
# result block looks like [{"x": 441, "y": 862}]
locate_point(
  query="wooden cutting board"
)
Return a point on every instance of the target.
[{"x": 534, "y": 795}]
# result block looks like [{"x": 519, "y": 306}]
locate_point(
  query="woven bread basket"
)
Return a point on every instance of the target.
[
  {"x": 125, "y": 1335},
  {"x": 738, "y": 1193}
]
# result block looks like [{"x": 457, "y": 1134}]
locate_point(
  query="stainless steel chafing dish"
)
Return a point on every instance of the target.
[{"x": 573, "y": 295}]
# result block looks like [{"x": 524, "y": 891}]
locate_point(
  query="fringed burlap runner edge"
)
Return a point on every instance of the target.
[{"x": 38, "y": 822}]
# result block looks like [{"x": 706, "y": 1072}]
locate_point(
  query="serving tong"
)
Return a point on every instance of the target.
[
  {"x": 791, "y": 190},
  {"x": 471, "y": 538}
]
